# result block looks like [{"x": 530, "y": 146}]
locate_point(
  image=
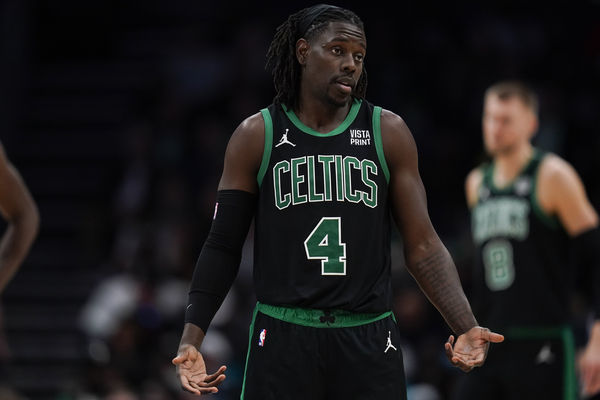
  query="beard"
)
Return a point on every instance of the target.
[
  {"x": 500, "y": 150},
  {"x": 333, "y": 97},
  {"x": 337, "y": 100}
]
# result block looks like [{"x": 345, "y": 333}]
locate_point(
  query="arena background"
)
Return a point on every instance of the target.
[{"x": 117, "y": 114}]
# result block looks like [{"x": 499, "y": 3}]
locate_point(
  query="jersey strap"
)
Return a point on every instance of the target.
[
  {"x": 268, "y": 145},
  {"x": 379, "y": 142}
]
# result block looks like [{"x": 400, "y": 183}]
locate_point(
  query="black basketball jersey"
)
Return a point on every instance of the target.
[
  {"x": 322, "y": 226},
  {"x": 521, "y": 275}
]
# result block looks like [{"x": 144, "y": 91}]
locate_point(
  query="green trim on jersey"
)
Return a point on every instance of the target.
[
  {"x": 379, "y": 142},
  {"x": 483, "y": 169},
  {"x": 251, "y": 333},
  {"x": 314, "y": 318},
  {"x": 268, "y": 145},
  {"x": 510, "y": 186},
  {"x": 565, "y": 334},
  {"x": 535, "y": 155},
  {"x": 341, "y": 128}
]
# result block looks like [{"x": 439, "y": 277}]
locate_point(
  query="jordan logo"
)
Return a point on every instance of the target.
[
  {"x": 389, "y": 344},
  {"x": 284, "y": 140},
  {"x": 545, "y": 356}
]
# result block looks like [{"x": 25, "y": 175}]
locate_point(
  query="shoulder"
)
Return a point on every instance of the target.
[
  {"x": 397, "y": 139},
  {"x": 560, "y": 191},
  {"x": 392, "y": 124},
  {"x": 557, "y": 171},
  {"x": 248, "y": 139},
  {"x": 555, "y": 179},
  {"x": 249, "y": 135},
  {"x": 251, "y": 127},
  {"x": 243, "y": 155},
  {"x": 472, "y": 184},
  {"x": 553, "y": 164}
]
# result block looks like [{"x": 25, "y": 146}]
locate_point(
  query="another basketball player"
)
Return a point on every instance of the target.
[
  {"x": 321, "y": 170},
  {"x": 528, "y": 207}
]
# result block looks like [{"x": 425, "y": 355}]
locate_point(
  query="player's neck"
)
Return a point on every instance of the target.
[
  {"x": 508, "y": 165},
  {"x": 321, "y": 116}
]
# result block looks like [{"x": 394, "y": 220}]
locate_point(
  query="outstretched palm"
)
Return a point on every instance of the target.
[
  {"x": 192, "y": 372},
  {"x": 470, "y": 349}
]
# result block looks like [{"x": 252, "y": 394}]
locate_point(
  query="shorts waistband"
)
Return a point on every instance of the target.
[{"x": 320, "y": 318}]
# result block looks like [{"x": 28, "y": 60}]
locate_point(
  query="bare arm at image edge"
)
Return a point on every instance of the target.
[{"x": 21, "y": 214}]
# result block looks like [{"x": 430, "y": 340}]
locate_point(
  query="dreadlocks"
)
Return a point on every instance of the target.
[{"x": 281, "y": 56}]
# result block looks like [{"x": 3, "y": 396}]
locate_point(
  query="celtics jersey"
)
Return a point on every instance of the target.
[
  {"x": 322, "y": 226},
  {"x": 521, "y": 272}
]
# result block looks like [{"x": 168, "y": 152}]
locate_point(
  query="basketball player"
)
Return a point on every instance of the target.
[
  {"x": 527, "y": 208},
  {"x": 21, "y": 214},
  {"x": 321, "y": 170}
]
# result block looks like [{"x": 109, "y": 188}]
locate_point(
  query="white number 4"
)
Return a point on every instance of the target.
[{"x": 325, "y": 243}]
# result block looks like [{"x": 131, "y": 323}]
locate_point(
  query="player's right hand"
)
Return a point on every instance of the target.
[{"x": 191, "y": 370}]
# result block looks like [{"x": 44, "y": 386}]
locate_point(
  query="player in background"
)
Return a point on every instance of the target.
[{"x": 529, "y": 211}]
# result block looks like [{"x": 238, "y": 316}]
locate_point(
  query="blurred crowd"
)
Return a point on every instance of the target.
[{"x": 429, "y": 66}]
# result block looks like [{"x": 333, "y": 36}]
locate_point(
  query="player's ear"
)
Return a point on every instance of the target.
[{"x": 302, "y": 50}]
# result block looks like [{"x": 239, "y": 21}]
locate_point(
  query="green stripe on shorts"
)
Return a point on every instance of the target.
[{"x": 248, "y": 352}]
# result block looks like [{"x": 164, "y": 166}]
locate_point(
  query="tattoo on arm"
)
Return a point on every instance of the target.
[{"x": 437, "y": 276}]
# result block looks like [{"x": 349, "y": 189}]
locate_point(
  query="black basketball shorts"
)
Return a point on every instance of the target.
[
  {"x": 532, "y": 363},
  {"x": 312, "y": 355}
]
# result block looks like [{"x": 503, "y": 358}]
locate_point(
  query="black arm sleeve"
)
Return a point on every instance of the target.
[
  {"x": 219, "y": 259},
  {"x": 587, "y": 255}
]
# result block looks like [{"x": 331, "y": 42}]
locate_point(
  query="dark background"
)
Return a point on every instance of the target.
[{"x": 117, "y": 114}]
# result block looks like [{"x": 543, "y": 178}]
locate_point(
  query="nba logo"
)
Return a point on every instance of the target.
[
  {"x": 262, "y": 337},
  {"x": 216, "y": 208}
]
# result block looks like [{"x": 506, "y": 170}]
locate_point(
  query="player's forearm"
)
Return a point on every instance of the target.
[
  {"x": 219, "y": 260},
  {"x": 432, "y": 267},
  {"x": 192, "y": 335},
  {"x": 16, "y": 242}
]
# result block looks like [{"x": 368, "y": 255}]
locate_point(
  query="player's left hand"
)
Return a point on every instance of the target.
[
  {"x": 470, "y": 349},
  {"x": 589, "y": 370},
  {"x": 191, "y": 370}
]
